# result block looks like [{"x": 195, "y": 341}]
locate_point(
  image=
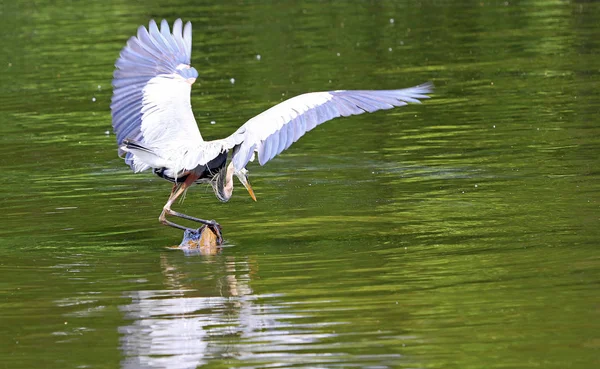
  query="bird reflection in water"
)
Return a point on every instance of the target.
[
  {"x": 183, "y": 327},
  {"x": 198, "y": 319},
  {"x": 208, "y": 314}
]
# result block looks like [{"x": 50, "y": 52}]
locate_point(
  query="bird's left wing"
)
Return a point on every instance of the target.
[
  {"x": 152, "y": 86},
  {"x": 274, "y": 130}
]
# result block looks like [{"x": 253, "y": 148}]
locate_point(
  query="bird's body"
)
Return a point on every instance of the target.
[{"x": 156, "y": 128}]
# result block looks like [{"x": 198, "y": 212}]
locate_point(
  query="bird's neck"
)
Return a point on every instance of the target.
[{"x": 228, "y": 185}]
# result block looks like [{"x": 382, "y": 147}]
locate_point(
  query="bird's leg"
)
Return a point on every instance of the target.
[
  {"x": 177, "y": 190},
  {"x": 163, "y": 215}
]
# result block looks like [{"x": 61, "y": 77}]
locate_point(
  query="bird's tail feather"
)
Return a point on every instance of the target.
[{"x": 143, "y": 155}]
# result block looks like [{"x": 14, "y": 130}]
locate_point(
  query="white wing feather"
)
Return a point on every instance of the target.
[
  {"x": 151, "y": 97},
  {"x": 151, "y": 106},
  {"x": 274, "y": 130}
]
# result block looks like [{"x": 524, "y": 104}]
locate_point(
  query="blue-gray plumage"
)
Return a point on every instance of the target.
[{"x": 155, "y": 126}]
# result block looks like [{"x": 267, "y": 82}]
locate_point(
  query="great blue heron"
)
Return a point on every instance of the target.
[{"x": 155, "y": 127}]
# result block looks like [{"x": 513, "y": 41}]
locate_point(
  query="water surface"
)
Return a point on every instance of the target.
[{"x": 460, "y": 233}]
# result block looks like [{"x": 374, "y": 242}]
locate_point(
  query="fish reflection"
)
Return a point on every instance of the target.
[{"x": 193, "y": 322}]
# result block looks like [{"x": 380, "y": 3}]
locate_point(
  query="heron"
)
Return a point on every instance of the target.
[{"x": 155, "y": 127}]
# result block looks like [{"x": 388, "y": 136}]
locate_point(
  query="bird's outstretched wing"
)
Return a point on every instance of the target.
[
  {"x": 152, "y": 85},
  {"x": 274, "y": 130}
]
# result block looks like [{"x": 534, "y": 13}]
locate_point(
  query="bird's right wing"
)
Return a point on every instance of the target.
[
  {"x": 151, "y": 97},
  {"x": 274, "y": 130}
]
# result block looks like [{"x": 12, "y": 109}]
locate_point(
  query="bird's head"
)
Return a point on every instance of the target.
[
  {"x": 243, "y": 177},
  {"x": 222, "y": 182}
]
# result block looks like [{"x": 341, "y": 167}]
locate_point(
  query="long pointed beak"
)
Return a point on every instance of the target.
[{"x": 244, "y": 179}]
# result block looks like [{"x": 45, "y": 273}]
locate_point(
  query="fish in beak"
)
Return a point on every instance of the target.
[{"x": 243, "y": 177}]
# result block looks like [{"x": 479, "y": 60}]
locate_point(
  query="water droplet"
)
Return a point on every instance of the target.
[
  {"x": 232, "y": 80},
  {"x": 93, "y": 99},
  {"x": 257, "y": 56}
]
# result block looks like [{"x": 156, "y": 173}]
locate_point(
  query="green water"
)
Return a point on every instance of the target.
[{"x": 461, "y": 233}]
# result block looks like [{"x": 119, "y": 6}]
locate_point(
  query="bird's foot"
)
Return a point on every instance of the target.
[
  {"x": 202, "y": 240},
  {"x": 212, "y": 226},
  {"x": 216, "y": 229}
]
